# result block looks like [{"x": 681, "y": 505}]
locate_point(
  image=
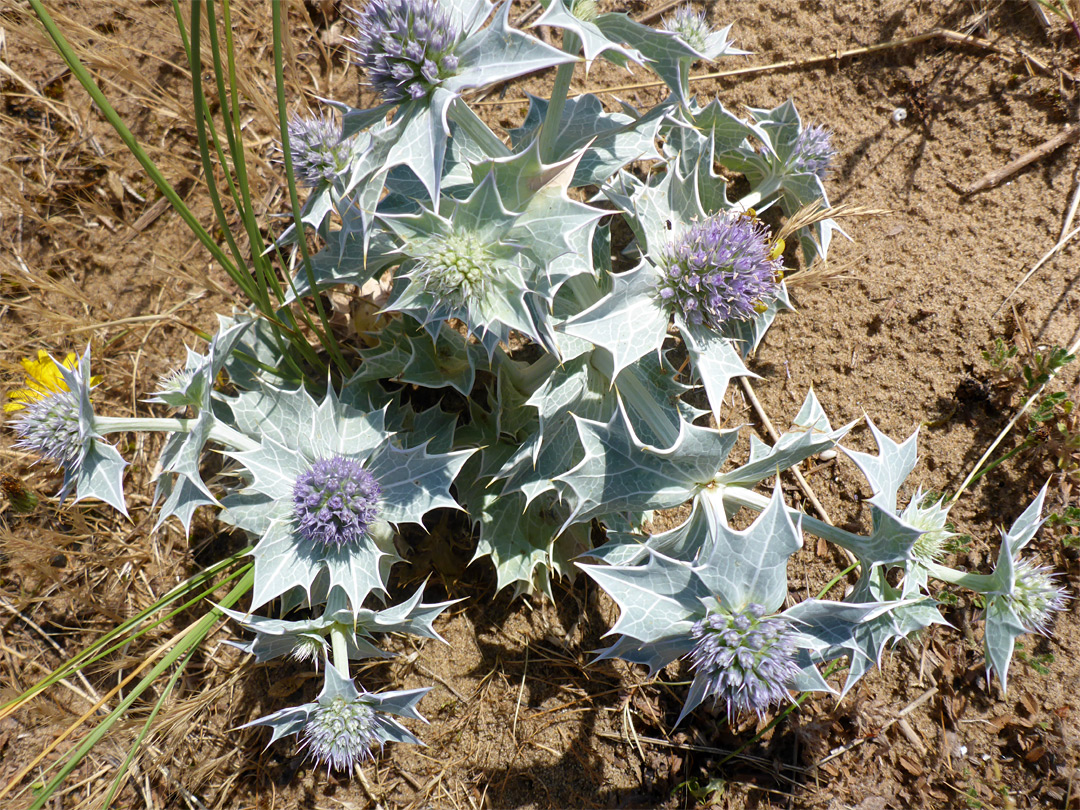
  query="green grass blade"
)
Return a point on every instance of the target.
[
  {"x": 151, "y": 169},
  {"x": 100, "y": 648},
  {"x": 194, "y": 635},
  {"x": 326, "y": 337},
  {"x": 145, "y": 732}
]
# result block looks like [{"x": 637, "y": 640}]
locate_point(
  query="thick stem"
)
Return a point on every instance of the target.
[
  {"x": 220, "y": 433},
  {"x": 766, "y": 189},
  {"x": 340, "y": 650},
  {"x": 550, "y": 128},
  {"x": 981, "y": 583},
  {"x": 742, "y": 496}
]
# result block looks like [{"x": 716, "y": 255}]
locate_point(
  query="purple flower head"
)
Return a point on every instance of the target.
[
  {"x": 340, "y": 733},
  {"x": 690, "y": 26},
  {"x": 335, "y": 501},
  {"x": 745, "y": 659},
  {"x": 318, "y": 153},
  {"x": 49, "y": 426},
  {"x": 1036, "y": 596},
  {"x": 405, "y": 46},
  {"x": 721, "y": 269},
  {"x": 813, "y": 151}
]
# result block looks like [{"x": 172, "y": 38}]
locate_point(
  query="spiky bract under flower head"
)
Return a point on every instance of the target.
[
  {"x": 813, "y": 152},
  {"x": 319, "y": 155},
  {"x": 1036, "y": 596},
  {"x": 745, "y": 659},
  {"x": 405, "y": 46},
  {"x": 340, "y": 733},
  {"x": 334, "y": 502},
  {"x": 690, "y": 26},
  {"x": 49, "y": 426},
  {"x": 454, "y": 269},
  {"x": 721, "y": 269}
]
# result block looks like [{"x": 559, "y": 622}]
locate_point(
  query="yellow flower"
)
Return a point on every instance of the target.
[{"x": 43, "y": 378}]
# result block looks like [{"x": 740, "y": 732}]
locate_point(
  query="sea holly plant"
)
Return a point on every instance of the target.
[{"x": 555, "y": 311}]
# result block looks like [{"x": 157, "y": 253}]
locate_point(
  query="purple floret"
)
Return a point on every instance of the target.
[
  {"x": 405, "y": 47},
  {"x": 813, "y": 152},
  {"x": 720, "y": 270},
  {"x": 49, "y": 427},
  {"x": 318, "y": 153},
  {"x": 335, "y": 501},
  {"x": 340, "y": 733},
  {"x": 745, "y": 659}
]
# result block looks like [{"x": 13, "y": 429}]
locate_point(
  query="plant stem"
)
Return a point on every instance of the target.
[
  {"x": 767, "y": 188},
  {"x": 981, "y": 583},
  {"x": 219, "y": 432},
  {"x": 340, "y": 650},
  {"x": 742, "y": 496},
  {"x": 550, "y": 128}
]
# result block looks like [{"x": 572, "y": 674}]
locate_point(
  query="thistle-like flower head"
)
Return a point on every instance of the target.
[
  {"x": 813, "y": 152},
  {"x": 690, "y": 26},
  {"x": 585, "y": 10},
  {"x": 344, "y": 724},
  {"x": 1036, "y": 596},
  {"x": 721, "y": 269},
  {"x": 406, "y": 47},
  {"x": 319, "y": 155},
  {"x": 340, "y": 733},
  {"x": 456, "y": 270},
  {"x": 50, "y": 427},
  {"x": 746, "y": 659},
  {"x": 309, "y": 647},
  {"x": 334, "y": 501},
  {"x": 930, "y": 518}
]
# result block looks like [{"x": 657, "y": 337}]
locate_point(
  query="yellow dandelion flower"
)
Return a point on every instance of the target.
[{"x": 43, "y": 378}]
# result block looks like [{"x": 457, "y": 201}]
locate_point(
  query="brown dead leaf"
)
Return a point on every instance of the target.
[{"x": 912, "y": 768}]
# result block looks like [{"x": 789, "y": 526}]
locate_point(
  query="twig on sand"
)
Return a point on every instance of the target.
[
  {"x": 1046, "y": 257},
  {"x": 925, "y": 696},
  {"x": 768, "y": 425},
  {"x": 991, "y": 179}
]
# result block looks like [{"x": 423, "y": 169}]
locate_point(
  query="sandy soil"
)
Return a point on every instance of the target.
[{"x": 519, "y": 716}]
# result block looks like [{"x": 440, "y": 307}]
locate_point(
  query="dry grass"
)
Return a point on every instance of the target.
[{"x": 85, "y": 252}]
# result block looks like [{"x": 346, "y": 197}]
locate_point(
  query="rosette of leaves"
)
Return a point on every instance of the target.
[
  {"x": 309, "y": 639},
  {"x": 325, "y": 487},
  {"x": 495, "y": 258},
  {"x": 722, "y": 610},
  {"x": 420, "y": 55}
]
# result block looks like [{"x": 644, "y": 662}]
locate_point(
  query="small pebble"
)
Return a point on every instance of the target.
[{"x": 827, "y": 455}]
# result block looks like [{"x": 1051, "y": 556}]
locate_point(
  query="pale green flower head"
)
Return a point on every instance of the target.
[{"x": 930, "y": 519}]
